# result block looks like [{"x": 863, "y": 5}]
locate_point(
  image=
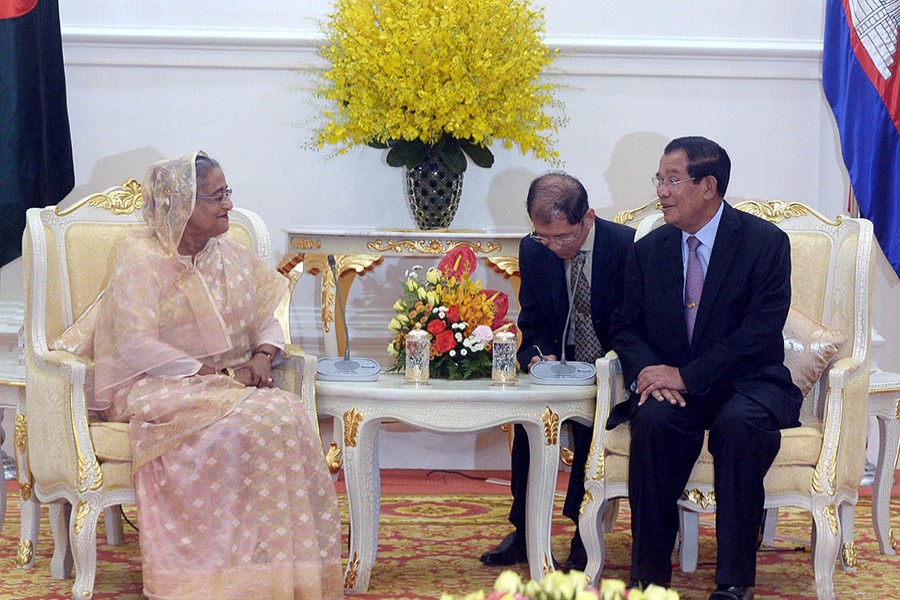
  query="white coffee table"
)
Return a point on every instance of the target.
[{"x": 449, "y": 407}]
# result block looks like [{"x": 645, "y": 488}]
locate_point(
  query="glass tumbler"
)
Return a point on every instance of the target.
[
  {"x": 418, "y": 351},
  {"x": 503, "y": 368}
]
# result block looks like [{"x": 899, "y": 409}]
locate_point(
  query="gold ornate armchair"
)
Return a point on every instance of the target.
[
  {"x": 820, "y": 464},
  {"x": 68, "y": 459}
]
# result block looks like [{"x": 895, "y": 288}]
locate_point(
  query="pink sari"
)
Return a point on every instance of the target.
[{"x": 234, "y": 498}]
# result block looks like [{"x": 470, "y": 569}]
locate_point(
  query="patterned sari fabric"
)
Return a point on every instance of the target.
[{"x": 233, "y": 494}]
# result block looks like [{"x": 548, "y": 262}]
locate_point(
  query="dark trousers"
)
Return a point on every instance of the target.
[
  {"x": 665, "y": 442},
  {"x": 581, "y": 439}
]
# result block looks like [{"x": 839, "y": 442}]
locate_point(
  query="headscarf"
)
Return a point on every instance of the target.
[{"x": 170, "y": 193}]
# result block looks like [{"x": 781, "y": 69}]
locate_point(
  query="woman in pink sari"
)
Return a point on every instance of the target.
[{"x": 234, "y": 498}]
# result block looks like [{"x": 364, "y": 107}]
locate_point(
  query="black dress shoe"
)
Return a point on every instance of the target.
[
  {"x": 509, "y": 552},
  {"x": 577, "y": 560},
  {"x": 732, "y": 592}
]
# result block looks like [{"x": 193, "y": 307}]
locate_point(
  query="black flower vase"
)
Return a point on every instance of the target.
[{"x": 433, "y": 191}]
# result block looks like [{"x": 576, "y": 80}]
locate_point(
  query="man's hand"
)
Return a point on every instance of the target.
[
  {"x": 663, "y": 383},
  {"x": 536, "y": 359}
]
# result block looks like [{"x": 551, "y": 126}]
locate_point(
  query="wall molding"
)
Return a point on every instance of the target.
[{"x": 579, "y": 56}]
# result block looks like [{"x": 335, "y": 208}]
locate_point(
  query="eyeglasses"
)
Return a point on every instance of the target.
[
  {"x": 217, "y": 198},
  {"x": 556, "y": 240},
  {"x": 659, "y": 182}
]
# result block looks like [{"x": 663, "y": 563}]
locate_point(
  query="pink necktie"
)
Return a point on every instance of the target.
[{"x": 693, "y": 287}]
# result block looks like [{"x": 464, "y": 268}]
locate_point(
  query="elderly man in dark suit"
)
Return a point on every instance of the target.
[
  {"x": 699, "y": 337},
  {"x": 566, "y": 232}
]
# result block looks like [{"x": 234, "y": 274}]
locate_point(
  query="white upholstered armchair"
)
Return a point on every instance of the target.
[
  {"x": 820, "y": 464},
  {"x": 68, "y": 459}
]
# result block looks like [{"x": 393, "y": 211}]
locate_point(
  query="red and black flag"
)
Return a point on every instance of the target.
[{"x": 35, "y": 144}]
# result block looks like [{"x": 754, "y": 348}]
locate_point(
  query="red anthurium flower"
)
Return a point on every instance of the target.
[
  {"x": 501, "y": 306},
  {"x": 458, "y": 262}
]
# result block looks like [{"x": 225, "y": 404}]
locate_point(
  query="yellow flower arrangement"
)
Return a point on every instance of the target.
[
  {"x": 446, "y": 78},
  {"x": 557, "y": 585}
]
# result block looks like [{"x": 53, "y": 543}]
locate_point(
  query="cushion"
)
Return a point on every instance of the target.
[
  {"x": 111, "y": 441},
  {"x": 809, "y": 347},
  {"x": 78, "y": 338}
]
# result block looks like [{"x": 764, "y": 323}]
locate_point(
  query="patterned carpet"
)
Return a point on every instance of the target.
[{"x": 430, "y": 544}]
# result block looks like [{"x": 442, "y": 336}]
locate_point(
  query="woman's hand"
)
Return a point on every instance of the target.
[{"x": 255, "y": 372}]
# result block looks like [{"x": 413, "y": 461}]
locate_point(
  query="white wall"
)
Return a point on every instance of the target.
[{"x": 148, "y": 80}]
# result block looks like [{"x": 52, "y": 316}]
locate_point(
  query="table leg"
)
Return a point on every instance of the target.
[
  {"x": 889, "y": 430},
  {"x": 543, "y": 443},
  {"x": 363, "y": 479}
]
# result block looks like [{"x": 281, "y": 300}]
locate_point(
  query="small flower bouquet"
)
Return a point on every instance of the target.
[
  {"x": 563, "y": 586},
  {"x": 456, "y": 310}
]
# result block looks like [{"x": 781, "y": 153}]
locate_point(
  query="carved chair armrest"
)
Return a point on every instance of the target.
[
  {"x": 59, "y": 440},
  {"x": 297, "y": 374},
  {"x": 841, "y": 461},
  {"x": 610, "y": 391}
]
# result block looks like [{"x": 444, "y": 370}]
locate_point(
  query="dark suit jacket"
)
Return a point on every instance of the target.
[
  {"x": 737, "y": 343},
  {"x": 544, "y": 297}
]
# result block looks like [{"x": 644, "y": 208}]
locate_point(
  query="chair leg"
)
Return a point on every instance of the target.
[
  {"x": 61, "y": 561},
  {"x": 846, "y": 512},
  {"x": 690, "y": 539},
  {"x": 28, "y": 533},
  {"x": 83, "y": 532},
  {"x": 591, "y": 527},
  {"x": 2, "y": 497},
  {"x": 889, "y": 433},
  {"x": 112, "y": 518},
  {"x": 610, "y": 515},
  {"x": 770, "y": 524},
  {"x": 826, "y": 540}
]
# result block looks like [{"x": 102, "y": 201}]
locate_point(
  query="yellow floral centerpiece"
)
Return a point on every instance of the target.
[
  {"x": 563, "y": 586},
  {"x": 456, "y": 310},
  {"x": 437, "y": 81}
]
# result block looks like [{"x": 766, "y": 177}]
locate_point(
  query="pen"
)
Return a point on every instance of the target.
[{"x": 541, "y": 354}]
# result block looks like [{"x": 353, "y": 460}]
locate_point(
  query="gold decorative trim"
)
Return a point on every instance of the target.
[
  {"x": 302, "y": 243},
  {"x": 830, "y": 513},
  {"x": 12, "y": 383},
  {"x": 898, "y": 408},
  {"x": 122, "y": 200},
  {"x": 25, "y": 488},
  {"x": 550, "y": 420},
  {"x": 696, "y": 496},
  {"x": 82, "y": 510},
  {"x": 507, "y": 265},
  {"x": 318, "y": 263},
  {"x": 430, "y": 247},
  {"x": 352, "y": 420},
  {"x": 566, "y": 456},
  {"x": 777, "y": 211},
  {"x": 20, "y": 433},
  {"x": 587, "y": 499},
  {"x": 848, "y": 555},
  {"x": 626, "y": 216},
  {"x": 891, "y": 541},
  {"x": 25, "y": 553},
  {"x": 333, "y": 458},
  {"x": 352, "y": 574},
  {"x": 546, "y": 564},
  {"x": 88, "y": 467}
]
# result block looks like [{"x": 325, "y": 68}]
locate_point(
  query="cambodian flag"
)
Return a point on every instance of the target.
[
  {"x": 859, "y": 75},
  {"x": 35, "y": 144}
]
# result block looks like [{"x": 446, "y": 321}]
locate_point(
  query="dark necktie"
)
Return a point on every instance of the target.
[
  {"x": 693, "y": 286},
  {"x": 587, "y": 346}
]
